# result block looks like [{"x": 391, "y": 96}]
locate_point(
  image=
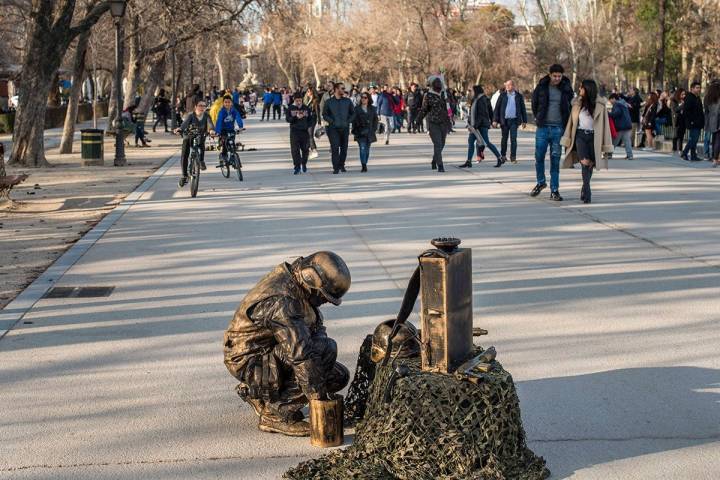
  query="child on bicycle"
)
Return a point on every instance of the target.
[
  {"x": 200, "y": 120},
  {"x": 226, "y": 120}
]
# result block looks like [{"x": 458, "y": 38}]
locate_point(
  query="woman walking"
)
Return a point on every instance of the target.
[
  {"x": 312, "y": 101},
  {"x": 712, "y": 120},
  {"x": 678, "y": 118},
  {"x": 587, "y": 135},
  {"x": 364, "y": 127},
  {"x": 162, "y": 110},
  {"x": 479, "y": 118},
  {"x": 648, "y": 119}
]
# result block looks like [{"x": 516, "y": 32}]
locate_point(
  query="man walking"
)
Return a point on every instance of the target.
[
  {"x": 276, "y": 103},
  {"x": 620, "y": 115},
  {"x": 694, "y": 120},
  {"x": 300, "y": 118},
  {"x": 267, "y": 104},
  {"x": 635, "y": 101},
  {"x": 435, "y": 108},
  {"x": 509, "y": 113},
  {"x": 385, "y": 110},
  {"x": 338, "y": 113},
  {"x": 413, "y": 101},
  {"x": 551, "y": 107}
]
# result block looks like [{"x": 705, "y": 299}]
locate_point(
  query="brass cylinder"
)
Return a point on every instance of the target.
[{"x": 326, "y": 422}]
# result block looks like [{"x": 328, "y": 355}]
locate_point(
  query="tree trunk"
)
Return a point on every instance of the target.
[
  {"x": 660, "y": 44},
  {"x": 134, "y": 65},
  {"x": 154, "y": 80},
  {"x": 50, "y": 33},
  {"x": 221, "y": 69},
  {"x": 112, "y": 102},
  {"x": 66, "y": 142}
]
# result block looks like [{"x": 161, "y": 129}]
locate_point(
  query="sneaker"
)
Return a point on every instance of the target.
[
  {"x": 556, "y": 196},
  {"x": 513, "y": 160},
  {"x": 182, "y": 182},
  {"x": 538, "y": 188}
]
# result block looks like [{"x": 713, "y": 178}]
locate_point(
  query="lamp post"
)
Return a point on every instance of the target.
[
  {"x": 117, "y": 10},
  {"x": 173, "y": 121}
]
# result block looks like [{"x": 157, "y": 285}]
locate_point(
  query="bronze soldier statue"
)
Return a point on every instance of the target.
[{"x": 276, "y": 344}]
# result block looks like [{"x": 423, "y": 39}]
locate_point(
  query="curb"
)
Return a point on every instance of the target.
[{"x": 16, "y": 310}]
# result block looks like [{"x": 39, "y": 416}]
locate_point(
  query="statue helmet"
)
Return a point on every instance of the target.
[
  {"x": 327, "y": 273},
  {"x": 405, "y": 343}
]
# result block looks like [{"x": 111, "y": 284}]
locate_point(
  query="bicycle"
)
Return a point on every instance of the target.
[
  {"x": 232, "y": 159},
  {"x": 194, "y": 158}
]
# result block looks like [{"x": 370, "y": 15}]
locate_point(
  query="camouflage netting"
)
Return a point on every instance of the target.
[{"x": 435, "y": 427}]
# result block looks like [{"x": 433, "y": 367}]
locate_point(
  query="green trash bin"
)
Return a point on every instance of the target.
[{"x": 91, "y": 147}]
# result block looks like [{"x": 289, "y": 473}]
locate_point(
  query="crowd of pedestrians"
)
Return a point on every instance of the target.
[{"x": 589, "y": 125}]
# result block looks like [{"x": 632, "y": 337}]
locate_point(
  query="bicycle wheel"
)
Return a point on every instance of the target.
[
  {"x": 194, "y": 176},
  {"x": 225, "y": 170},
  {"x": 238, "y": 166}
]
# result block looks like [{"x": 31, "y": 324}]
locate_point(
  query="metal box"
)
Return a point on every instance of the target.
[{"x": 446, "y": 309}]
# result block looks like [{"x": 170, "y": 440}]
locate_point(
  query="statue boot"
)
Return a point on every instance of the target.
[{"x": 291, "y": 427}]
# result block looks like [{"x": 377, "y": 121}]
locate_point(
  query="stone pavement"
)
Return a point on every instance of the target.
[{"x": 605, "y": 314}]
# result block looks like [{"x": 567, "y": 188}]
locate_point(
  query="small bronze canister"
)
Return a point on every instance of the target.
[{"x": 326, "y": 422}]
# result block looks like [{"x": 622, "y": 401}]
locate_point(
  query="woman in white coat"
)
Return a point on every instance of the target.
[{"x": 587, "y": 135}]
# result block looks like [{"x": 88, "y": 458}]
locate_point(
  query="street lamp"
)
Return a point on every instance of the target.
[
  {"x": 173, "y": 103},
  {"x": 117, "y": 10}
]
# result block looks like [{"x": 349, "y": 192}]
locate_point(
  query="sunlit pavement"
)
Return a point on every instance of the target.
[{"x": 605, "y": 314}]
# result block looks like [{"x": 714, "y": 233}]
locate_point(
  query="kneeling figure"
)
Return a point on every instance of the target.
[{"x": 276, "y": 344}]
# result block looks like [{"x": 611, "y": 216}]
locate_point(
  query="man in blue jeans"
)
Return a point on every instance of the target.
[
  {"x": 509, "y": 114},
  {"x": 551, "y": 107}
]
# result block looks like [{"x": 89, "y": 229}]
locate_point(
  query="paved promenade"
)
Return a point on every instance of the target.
[{"x": 606, "y": 314}]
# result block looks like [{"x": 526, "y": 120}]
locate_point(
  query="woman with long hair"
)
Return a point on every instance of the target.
[
  {"x": 648, "y": 119},
  {"x": 587, "y": 135},
  {"x": 312, "y": 101},
  {"x": 712, "y": 120},
  {"x": 678, "y": 118}
]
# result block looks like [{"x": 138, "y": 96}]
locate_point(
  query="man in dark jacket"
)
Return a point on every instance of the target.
[
  {"x": 694, "y": 121},
  {"x": 338, "y": 113},
  {"x": 276, "y": 345},
  {"x": 479, "y": 121},
  {"x": 620, "y": 115},
  {"x": 300, "y": 118},
  {"x": 509, "y": 113},
  {"x": 434, "y": 107},
  {"x": 413, "y": 102},
  {"x": 551, "y": 107}
]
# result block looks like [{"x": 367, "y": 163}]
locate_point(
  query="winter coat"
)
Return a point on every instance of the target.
[
  {"x": 601, "y": 127},
  {"x": 620, "y": 114},
  {"x": 338, "y": 113},
  {"x": 435, "y": 108},
  {"x": 712, "y": 117},
  {"x": 481, "y": 112},
  {"x": 678, "y": 117},
  {"x": 693, "y": 110},
  {"x": 413, "y": 100},
  {"x": 635, "y": 103},
  {"x": 649, "y": 115},
  {"x": 541, "y": 99},
  {"x": 501, "y": 105},
  {"x": 385, "y": 104},
  {"x": 300, "y": 124},
  {"x": 365, "y": 124}
]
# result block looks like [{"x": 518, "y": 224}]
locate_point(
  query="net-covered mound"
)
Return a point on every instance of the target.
[{"x": 435, "y": 426}]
